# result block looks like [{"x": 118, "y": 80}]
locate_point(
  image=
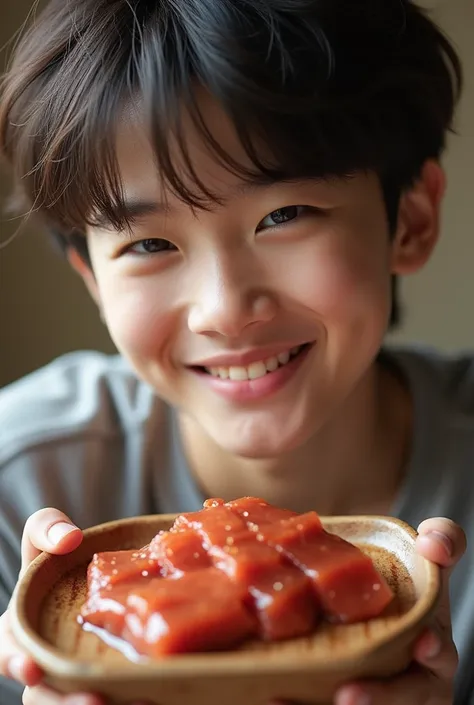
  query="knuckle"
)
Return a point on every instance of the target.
[
  {"x": 37, "y": 519},
  {"x": 35, "y": 531}
]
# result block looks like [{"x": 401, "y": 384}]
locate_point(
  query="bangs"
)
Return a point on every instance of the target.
[
  {"x": 305, "y": 96},
  {"x": 157, "y": 64}
]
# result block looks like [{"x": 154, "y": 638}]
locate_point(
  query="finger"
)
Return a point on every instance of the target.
[
  {"x": 441, "y": 541},
  {"x": 41, "y": 695},
  {"x": 48, "y": 530},
  {"x": 13, "y": 663},
  {"x": 419, "y": 686},
  {"x": 439, "y": 656}
]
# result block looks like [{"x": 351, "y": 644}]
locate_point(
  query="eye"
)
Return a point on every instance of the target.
[
  {"x": 281, "y": 216},
  {"x": 150, "y": 246}
]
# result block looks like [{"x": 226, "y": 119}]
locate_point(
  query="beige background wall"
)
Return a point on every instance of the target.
[
  {"x": 440, "y": 300},
  {"x": 44, "y": 311}
]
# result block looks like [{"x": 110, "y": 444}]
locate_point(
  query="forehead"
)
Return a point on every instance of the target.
[
  {"x": 142, "y": 179},
  {"x": 137, "y": 161}
]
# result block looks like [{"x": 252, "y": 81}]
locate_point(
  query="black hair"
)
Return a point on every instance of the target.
[{"x": 314, "y": 88}]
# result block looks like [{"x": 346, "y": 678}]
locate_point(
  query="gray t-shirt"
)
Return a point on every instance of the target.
[{"x": 85, "y": 436}]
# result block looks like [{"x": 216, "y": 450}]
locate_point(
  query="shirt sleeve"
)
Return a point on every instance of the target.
[
  {"x": 10, "y": 692},
  {"x": 71, "y": 437},
  {"x": 11, "y": 525}
]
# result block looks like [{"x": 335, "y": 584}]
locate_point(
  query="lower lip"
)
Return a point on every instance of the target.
[{"x": 250, "y": 390}]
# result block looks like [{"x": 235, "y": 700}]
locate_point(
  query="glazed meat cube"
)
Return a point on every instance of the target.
[
  {"x": 279, "y": 595},
  {"x": 345, "y": 580},
  {"x": 255, "y": 512},
  {"x": 201, "y": 611},
  {"x": 213, "y": 525},
  {"x": 179, "y": 552},
  {"x": 115, "y": 568}
]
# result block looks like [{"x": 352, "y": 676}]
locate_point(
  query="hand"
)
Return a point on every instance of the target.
[
  {"x": 431, "y": 677},
  {"x": 52, "y": 531}
]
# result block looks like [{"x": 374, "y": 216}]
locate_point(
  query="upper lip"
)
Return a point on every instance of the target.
[{"x": 245, "y": 358}]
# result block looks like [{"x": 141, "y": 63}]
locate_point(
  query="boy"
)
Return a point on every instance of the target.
[{"x": 239, "y": 183}]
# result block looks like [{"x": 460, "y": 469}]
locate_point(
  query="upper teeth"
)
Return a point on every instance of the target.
[{"x": 256, "y": 369}]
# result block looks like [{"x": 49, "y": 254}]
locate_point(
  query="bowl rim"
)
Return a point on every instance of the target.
[{"x": 49, "y": 658}]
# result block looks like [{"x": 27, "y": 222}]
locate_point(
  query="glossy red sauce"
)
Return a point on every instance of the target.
[{"x": 232, "y": 571}]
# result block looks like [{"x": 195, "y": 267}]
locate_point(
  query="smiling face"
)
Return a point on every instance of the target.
[{"x": 211, "y": 307}]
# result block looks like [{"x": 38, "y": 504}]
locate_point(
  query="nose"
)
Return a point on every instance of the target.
[{"x": 228, "y": 299}]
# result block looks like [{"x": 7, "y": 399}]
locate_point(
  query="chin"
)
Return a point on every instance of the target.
[{"x": 257, "y": 443}]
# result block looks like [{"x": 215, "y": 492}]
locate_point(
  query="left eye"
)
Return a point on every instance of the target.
[
  {"x": 151, "y": 246},
  {"x": 281, "y": 216}
]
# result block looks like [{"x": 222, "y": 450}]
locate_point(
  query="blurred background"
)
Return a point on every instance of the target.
[{"x": 45, "y": 312}]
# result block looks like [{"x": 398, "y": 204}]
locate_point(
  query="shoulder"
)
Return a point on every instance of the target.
[
  {"x": 83, "y": 392},
  {"x": 442, "y": 389},
  {"x": 447, "y": 380}
]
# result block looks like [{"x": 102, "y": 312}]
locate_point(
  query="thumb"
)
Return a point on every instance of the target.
[
  {"x": 48, "y": 530},
  {"x": 443, "y": 542}
]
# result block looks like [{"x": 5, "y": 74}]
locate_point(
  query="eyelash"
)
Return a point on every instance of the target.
[
  {"x": 299, "y": 211},
  {"x": 169, "y": 247}
]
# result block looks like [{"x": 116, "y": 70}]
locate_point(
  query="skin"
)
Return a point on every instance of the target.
[{"x": 227, "y": 283}]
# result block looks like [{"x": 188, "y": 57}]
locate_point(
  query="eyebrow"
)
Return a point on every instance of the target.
[{"x": 135, "y": 209}]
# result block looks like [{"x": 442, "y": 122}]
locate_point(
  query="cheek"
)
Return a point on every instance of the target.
[
  {"x": 138, "y": 316},
  {"x": 346, "y": 284}
]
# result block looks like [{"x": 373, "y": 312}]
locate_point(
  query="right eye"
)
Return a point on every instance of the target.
[{"x": 151, "y": 246}]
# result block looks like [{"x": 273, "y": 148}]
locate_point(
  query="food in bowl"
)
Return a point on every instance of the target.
[{"x": 230, "y": 572}]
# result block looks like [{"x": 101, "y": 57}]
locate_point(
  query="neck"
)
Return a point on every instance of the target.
[{"x": 353, "y": 465}]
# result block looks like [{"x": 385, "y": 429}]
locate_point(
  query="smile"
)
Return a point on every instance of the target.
[
  {"x": 258, "y": 380},
  {"x": 257, "y": 369}
]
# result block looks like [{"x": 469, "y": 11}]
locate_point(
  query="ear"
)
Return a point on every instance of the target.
[
  {"x": 419, "y": 221},
  {"x": 85, "y": 272}
]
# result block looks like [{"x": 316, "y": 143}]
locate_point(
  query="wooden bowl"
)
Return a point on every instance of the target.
[{"x": 48, "y": 599}]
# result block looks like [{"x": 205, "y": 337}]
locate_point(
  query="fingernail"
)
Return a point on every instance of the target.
[
  {"x": 363, "y": 699},
  {"x": 58, "y": 531},
  {"x": 434, "y": 647},
  {"x": 82, "y": 699},
  {"x": 444, "y": 540},
  {"x": 15, "y": 667},
  {"x": 351, "y": 696}
]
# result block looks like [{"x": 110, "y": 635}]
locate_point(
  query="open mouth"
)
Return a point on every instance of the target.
[{"x": 258, "y": 369}]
